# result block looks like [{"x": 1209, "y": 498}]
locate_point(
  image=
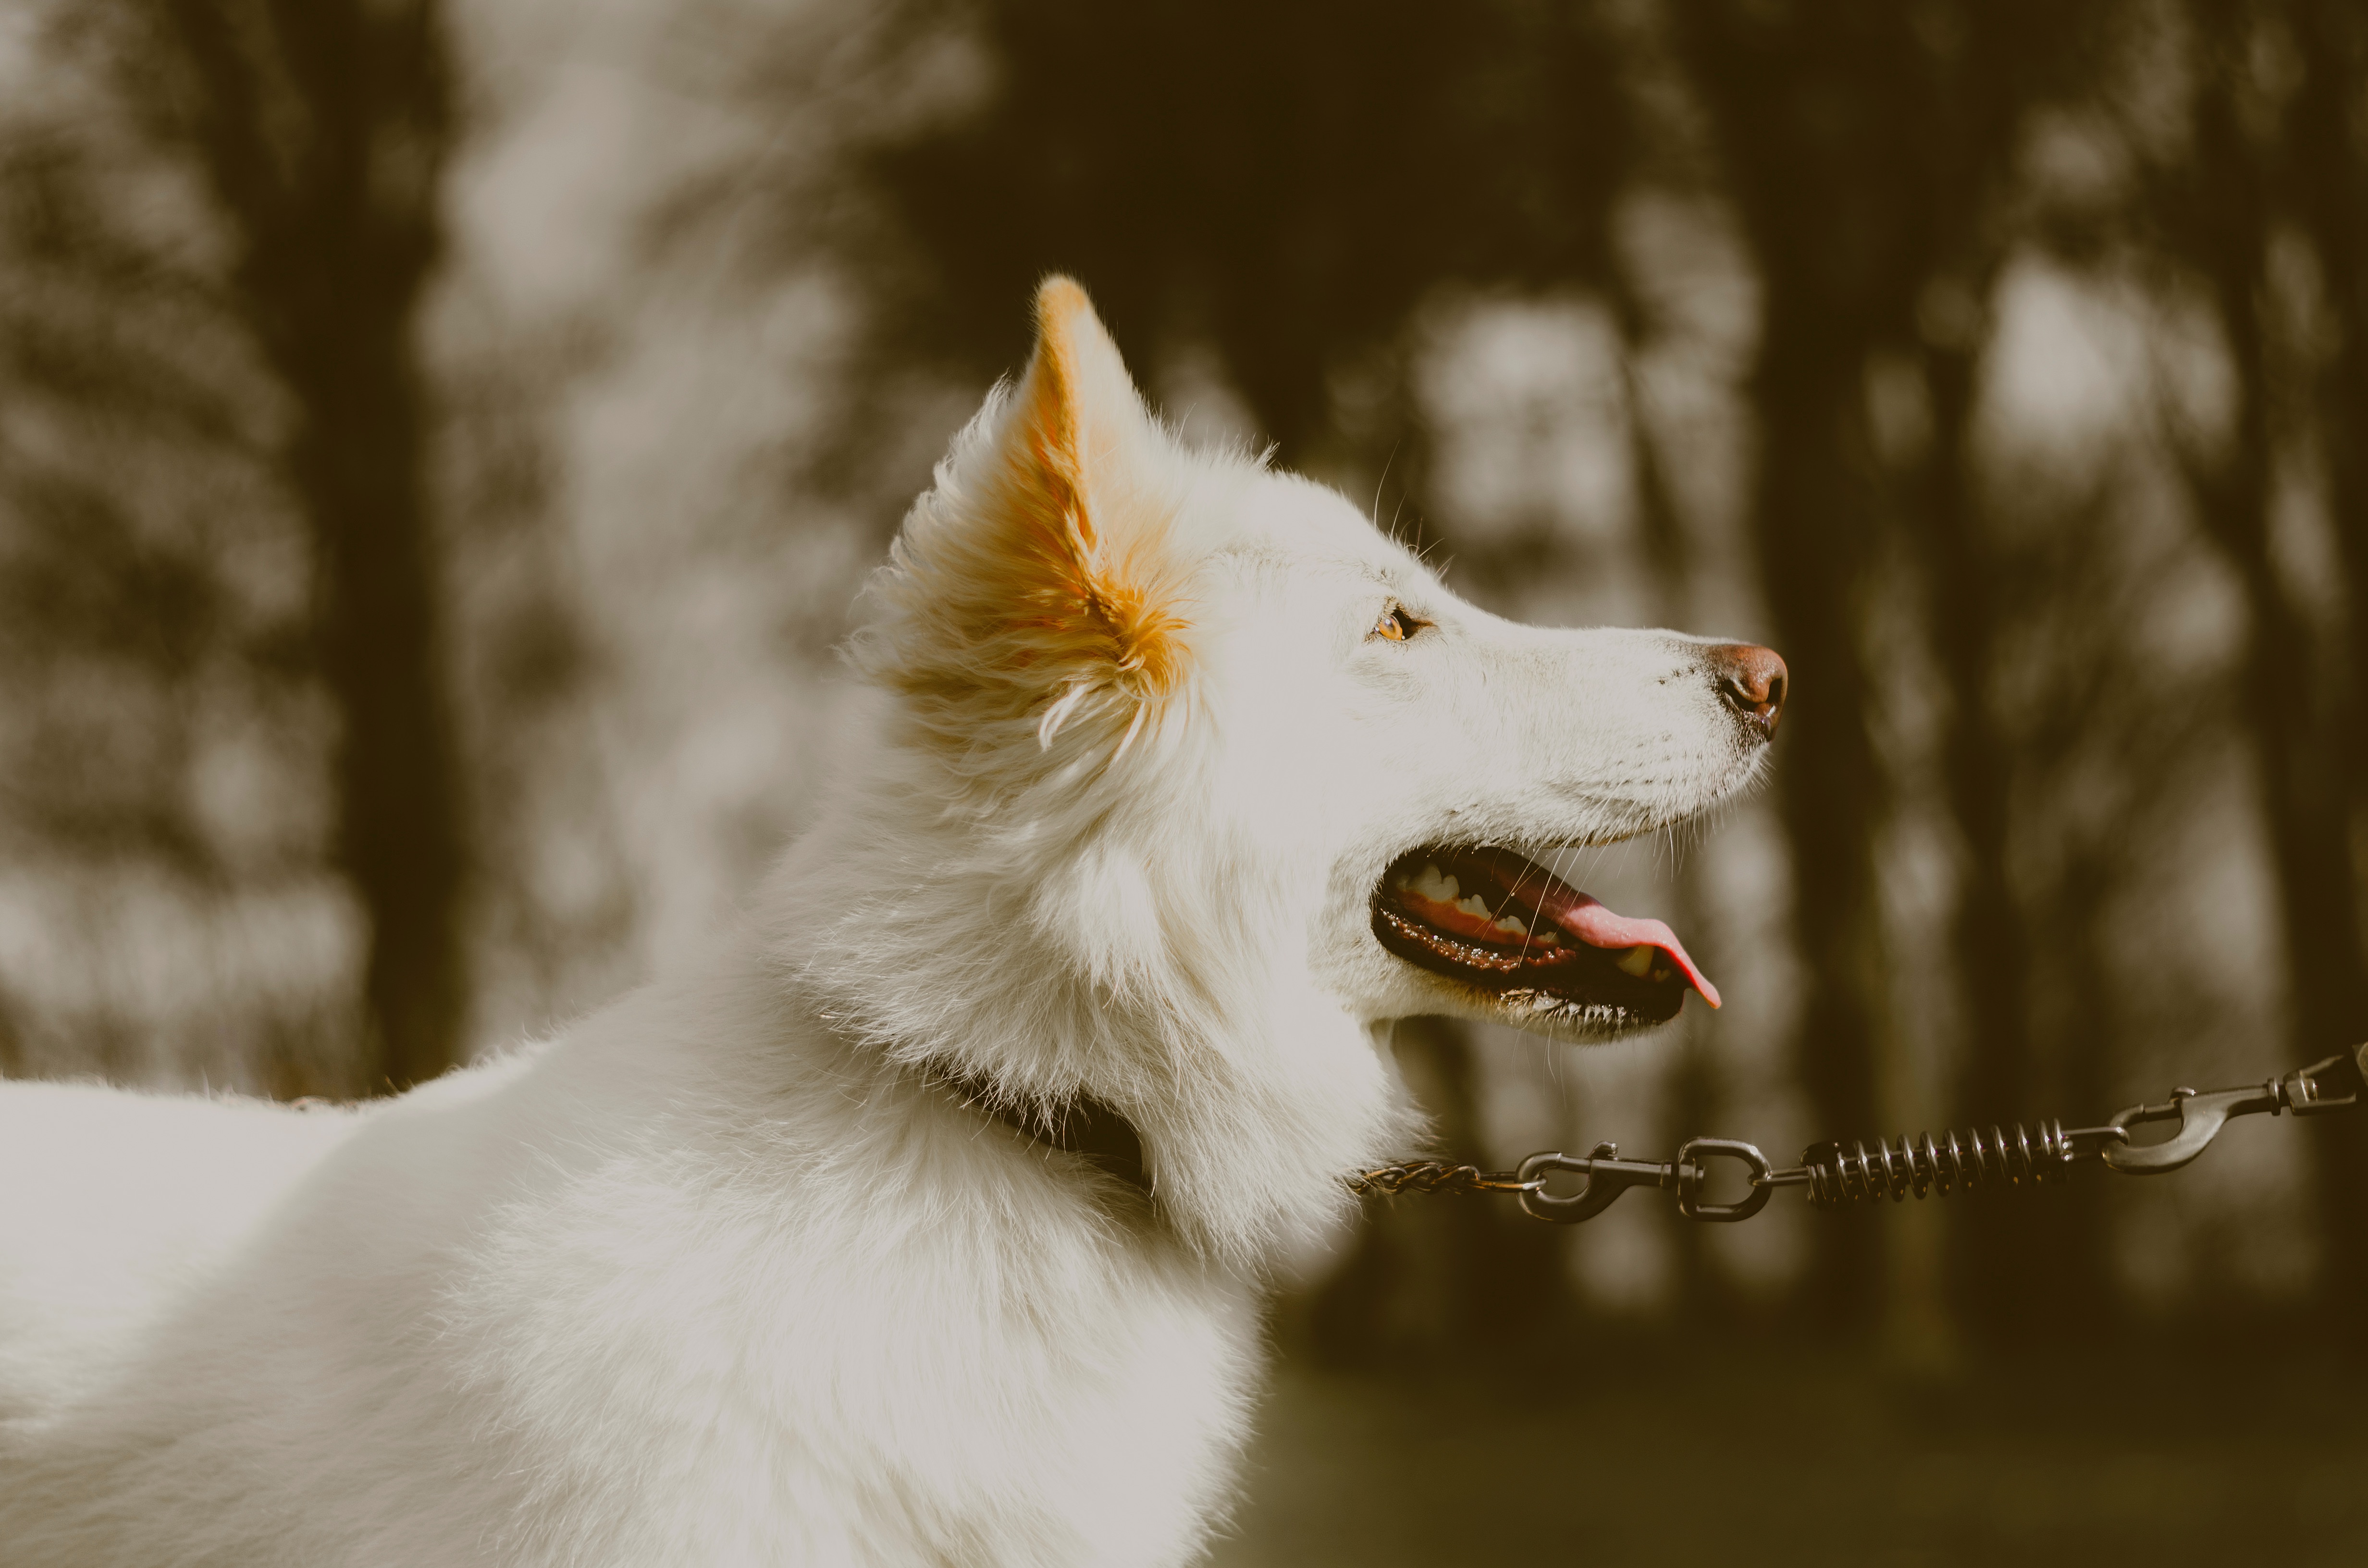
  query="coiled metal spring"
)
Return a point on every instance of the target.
[{"x": 2003, "y": 1156}]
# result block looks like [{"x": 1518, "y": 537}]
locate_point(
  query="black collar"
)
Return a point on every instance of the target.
[{"x": 1082, "y": 1126}]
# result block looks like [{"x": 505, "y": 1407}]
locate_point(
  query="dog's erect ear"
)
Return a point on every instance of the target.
[{"x": 1037, "y": 579}]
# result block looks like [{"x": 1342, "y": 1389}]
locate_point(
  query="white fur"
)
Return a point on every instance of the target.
[{"x": 719, "y": 1277}]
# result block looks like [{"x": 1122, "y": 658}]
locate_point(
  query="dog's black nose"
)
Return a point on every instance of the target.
[{"x": 1752, "y": 681}]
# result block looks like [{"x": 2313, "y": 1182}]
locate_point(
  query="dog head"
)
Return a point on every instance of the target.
[
  {"x": 1193, "y": 780},
  {"x": 1213, "y": 695}
]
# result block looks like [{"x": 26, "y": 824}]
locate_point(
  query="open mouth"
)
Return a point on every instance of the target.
[{"x": 1506, "y": 926}]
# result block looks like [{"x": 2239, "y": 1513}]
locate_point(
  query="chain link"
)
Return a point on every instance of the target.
[{"x": 1435, "y": 1176}]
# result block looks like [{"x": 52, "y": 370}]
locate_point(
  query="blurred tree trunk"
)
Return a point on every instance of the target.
[
  {"x": 1789, "y": 104},
  {"x": 1816, "y": 540},
  {"x": 2330, "y": 174},
  {"x": 2224, "y": 217},
  {"x": 1991, "y": 941},
  {"x": 2006, "y": 58},
  {"x": 321, "y": 127},
  {"x": 2328, "y": 166},
  {"x": 1702, "y": 1293}
]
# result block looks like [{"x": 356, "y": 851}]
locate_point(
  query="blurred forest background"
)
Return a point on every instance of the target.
[{"x": 439, "y": 443}]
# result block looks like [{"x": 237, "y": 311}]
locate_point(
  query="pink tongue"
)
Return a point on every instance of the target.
[
  {"x": 1580, "y": 915},
  {"x": 1591, "y": 922}
]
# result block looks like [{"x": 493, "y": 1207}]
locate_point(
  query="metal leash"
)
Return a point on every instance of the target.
[{"x": 1836, "y": 1177}]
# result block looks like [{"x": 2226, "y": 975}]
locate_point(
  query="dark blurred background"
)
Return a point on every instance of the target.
[{"x": 439, "y": 443}]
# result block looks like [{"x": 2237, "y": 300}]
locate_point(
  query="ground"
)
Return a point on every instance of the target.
[{"x": 1780, "y": 1458}]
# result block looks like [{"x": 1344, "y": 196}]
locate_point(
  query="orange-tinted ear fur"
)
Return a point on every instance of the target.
[{"x": 1035, "y": 580}]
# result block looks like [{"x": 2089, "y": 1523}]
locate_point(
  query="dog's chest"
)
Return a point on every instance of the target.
[{"x": 983, "y": 1381}]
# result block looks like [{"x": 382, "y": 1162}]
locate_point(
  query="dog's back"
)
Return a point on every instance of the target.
[
  {"x": 94, "y": 1244},
  {"x": 687, "y": 1287}
]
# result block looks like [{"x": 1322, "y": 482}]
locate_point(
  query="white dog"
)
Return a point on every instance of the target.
[{"x": 924, "y": 1223}]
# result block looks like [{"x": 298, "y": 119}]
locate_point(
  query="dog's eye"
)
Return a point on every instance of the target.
[{"x": 1397, "y": 624}]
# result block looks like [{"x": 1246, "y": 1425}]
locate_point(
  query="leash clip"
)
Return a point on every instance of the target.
[
  {"x": 2305, "y": 1091},
  {"x": 1608, "y": 1175}
]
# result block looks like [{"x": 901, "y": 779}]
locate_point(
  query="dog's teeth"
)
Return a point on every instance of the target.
[
  {"x": 1512, "y": 928},
  {"x": 1637, "y": 960},
  {"x": 1474, "y": 907},
  {"x": 1433, "y": 886}
]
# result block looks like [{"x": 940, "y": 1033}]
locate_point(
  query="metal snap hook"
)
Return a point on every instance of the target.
[
  {"x": 2200, "y": 1116},
  {"x": 1608, "y": 1175}
]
